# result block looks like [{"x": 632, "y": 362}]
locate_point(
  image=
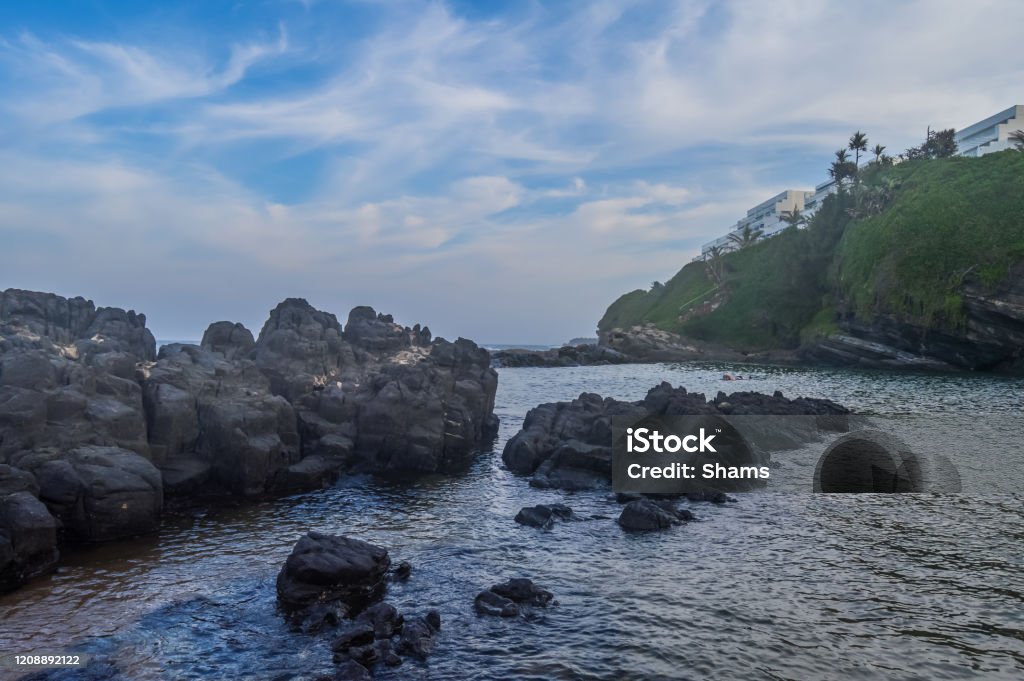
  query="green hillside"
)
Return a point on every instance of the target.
[{"x": 901, "y": 240}]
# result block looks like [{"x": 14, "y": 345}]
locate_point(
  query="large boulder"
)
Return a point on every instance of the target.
[
  {"x": 98, "y": 493},
  {"x": 28, "y": 533},
  {"x": 231, "y": 339},
  {"x": 326, "y": 568}
]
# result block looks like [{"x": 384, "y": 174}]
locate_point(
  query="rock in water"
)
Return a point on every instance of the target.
[
  {"x": 98, "y": 493},
  {"x": 505, "y": 599},
  {"x": 323, "y": 567},
  {"x": 489, "y": 603},
  {"x": 567, "y": 445},
  {"x": 644, "y": 514},
  {"x": 543, "y": 515},
  {"x": 28, "y": 533}
]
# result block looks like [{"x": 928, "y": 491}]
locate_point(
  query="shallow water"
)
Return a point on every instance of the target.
[{"x": 773, "y": 586}]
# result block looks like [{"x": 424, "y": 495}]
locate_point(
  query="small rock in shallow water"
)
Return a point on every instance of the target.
[
  {"x": 354, "y": 635},
  {"x": 543, "y": 515},
  {"x": 383, "y": 618},
  {"x": 418, "y": 638},
  {"x": 645, "y": 514},
  {"x": 490, "y": 603},
  {"x": 523, "y": 591},
  {"x": 403, "y": 571}
]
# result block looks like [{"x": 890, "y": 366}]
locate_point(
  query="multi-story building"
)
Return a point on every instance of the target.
[
  {"x": 766, "y": 218},
  {"x": 991, "y": 134}
]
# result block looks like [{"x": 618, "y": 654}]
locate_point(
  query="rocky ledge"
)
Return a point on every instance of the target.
[
  {"x": 566, "y": 356},
  {"x": 96, "y": 428},
  {"x": 567, "y": 445}
]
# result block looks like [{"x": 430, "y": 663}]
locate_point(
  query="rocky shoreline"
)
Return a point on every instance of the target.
[{"x": 97, "y": 430}]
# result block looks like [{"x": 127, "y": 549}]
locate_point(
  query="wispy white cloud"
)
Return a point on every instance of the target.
[{"x": 547, "y": 157}]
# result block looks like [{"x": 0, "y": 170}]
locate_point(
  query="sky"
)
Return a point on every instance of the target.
[{"x": 500, "y": 171}]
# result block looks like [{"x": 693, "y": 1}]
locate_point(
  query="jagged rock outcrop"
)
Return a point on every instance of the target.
[
  {"x": 568, "y": 445},
  {"x": 75, "y": 323},
  {"x": 88, "y": 407},
  {"x": 200, "y": 405}
]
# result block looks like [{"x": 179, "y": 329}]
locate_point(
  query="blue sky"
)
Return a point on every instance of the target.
[{"x": 500, "y": 171}]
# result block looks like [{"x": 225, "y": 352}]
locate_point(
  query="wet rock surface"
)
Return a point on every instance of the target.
[
  {"x": 91, "y": 410},
  {"x": 647, "y": 514},
  {"x": 543, "y": 515},
  {"x": 511, "y": 598},
  {"x": 567, "y": 445}
]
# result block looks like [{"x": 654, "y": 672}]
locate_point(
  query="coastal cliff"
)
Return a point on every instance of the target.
[{"x": 915, "y": 266}]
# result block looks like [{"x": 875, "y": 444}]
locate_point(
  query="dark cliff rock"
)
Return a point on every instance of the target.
[
  {"x": 28, "y": 532},
  {"x": 568, "y": 445},
  {"x": 75, "y": 322},
  {"x": 107, "y": 427},
  {"x": 990, "y": 338}
]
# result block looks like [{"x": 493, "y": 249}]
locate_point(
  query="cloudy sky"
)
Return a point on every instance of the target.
[{"x": 500, "y": 171}]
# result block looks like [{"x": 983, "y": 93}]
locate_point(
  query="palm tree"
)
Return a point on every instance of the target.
[
  {"x": 714, "y": 263},
  {"x": 840, "y": 168},
  {"x": 1017, "y": 140},
  {"x": 878, "y": 151},
  {"x": 794, "y": 218},
  {"x": 858, "y": 143},
  {"x": 745, "y": 237}
]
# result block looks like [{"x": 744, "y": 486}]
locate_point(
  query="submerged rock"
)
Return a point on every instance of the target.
[
  {"x": 588, "y": 354},
  {"x": 646, "y": 514},
  {"x": 506, "y": 599},
  {"x": 543, "y": 515}
]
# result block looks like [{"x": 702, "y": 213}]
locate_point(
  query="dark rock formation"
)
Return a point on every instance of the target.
[
  {"x": 75, "y": 323},
  {"x": 325, "y": 568},
  {"x": 647, "y": 514},
  {"x": 565, "y": 356},
  {"x": 231, "y": 339},
  {"x": 419, "y": 636},
  {"x": 989, "y": 337},
  {"x": 350, "y": 670},
  {"x": 543, "y": 515},
  {"x": 568, "y": 444},
  {"x": 201, "y": 406},
  {"x": 98, "y": 493},
  {"x": 28, "y": 533},
  {"x": 89, "y": 408},
  {"x": 508, "y": 598}
]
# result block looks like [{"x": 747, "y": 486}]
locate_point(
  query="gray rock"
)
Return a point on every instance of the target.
[
  {"x": 490, "y": 603},
  {"x": 323, "y": 567},
  {"x": 28, "y": 533},
  {"x": 645, "y": 514},
  {"x": 230, "y": 339},
  {"x": 98, "y": 493}
]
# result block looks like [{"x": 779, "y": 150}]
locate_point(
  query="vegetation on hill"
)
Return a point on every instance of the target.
[{"x": 897, "y": 238}]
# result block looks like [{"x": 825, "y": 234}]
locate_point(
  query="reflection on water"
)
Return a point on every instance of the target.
[{"x": 774, "y": 586}]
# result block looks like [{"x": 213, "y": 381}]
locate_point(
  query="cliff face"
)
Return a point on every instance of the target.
[
  {"x": 920, "y": 265},
  {"x": 990, "y": 338}
]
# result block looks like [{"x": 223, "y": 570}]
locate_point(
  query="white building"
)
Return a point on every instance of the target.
[
  {"x": 766, "y": 218},
  {"x": 991, "y": 134}
]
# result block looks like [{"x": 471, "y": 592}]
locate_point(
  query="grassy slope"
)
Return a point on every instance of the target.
[{"x": 948, "y": 217}]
